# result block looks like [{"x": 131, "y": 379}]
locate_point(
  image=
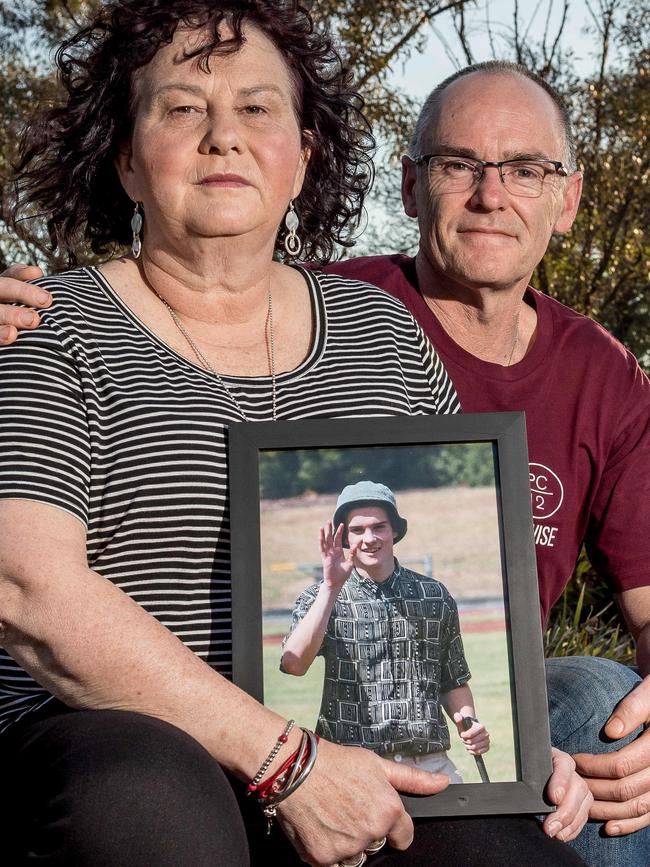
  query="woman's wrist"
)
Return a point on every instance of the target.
[
  {"x": 287, "y": 747},
  {"x": 275, "y": 789}
]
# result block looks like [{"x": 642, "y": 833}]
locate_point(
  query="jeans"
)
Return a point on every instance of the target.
[{"x": 582, "y": 693}]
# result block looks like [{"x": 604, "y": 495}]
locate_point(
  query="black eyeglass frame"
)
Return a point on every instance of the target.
[{"x": 560, "y": 168}]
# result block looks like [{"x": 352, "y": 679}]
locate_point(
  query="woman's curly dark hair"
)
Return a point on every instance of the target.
[{"x": 66, "y": 172}]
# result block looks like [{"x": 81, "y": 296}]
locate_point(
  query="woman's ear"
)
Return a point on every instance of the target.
[
  {"x": 305, "y": 156},
  {"x": 125, "y": 173}
]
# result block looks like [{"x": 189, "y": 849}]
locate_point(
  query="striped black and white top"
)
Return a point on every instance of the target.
[{"x": 102, "y": 419}]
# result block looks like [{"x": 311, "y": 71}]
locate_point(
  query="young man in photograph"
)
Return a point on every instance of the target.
[{"x": 390, "y": 638}]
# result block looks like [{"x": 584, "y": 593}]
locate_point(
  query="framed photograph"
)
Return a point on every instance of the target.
[{"x": 385, "y": 595}]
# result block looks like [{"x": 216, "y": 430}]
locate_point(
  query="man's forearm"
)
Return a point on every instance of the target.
[
  {"x": 643, "y": 651},
  {"x": 635, "y": 607},
  {"x": 459, "y": 700},
  {"x": 303, "y": 644}
]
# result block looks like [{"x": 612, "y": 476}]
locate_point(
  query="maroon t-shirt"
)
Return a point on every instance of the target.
[{"x": 587, "y": 405}]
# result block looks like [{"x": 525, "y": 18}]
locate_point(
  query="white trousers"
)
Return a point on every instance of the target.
[{"x": 437, "y": 763}]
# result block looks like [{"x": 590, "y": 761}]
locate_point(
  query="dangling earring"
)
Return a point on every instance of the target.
[
  {"x": 136, "y": 226},
  {"x": 292, "y": 243}
]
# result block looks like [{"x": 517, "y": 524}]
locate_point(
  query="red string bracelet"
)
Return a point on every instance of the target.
[
  {"x": 254, "y": 787},
  {"x": 286, "y": 780}
]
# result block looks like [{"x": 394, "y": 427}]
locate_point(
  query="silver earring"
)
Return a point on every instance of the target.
[
  {"x": 292, "y": 243},
  {"x": 136, "y": 226}
]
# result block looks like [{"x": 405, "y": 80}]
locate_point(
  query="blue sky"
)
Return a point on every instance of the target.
[{"x": 422, "y": 71}]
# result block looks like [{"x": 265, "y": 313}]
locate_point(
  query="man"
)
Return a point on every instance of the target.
[
  {"x": 394, "y": 633},
  {"x": 484, "y": 226},
  {"x": 508, "y": 348}
]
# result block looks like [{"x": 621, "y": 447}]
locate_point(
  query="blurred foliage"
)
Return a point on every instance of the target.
[
  {"x": 296, "y": 472},
  {"x": 373, "y": 35},
  {"x": 29, "y": 32},
  {"x": 602, "y": 268},
  {"x": 585, "y": 621}
]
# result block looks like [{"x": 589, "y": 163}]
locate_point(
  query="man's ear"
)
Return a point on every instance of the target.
[
  {"x": 570, "y": 203},
  {"x": 409, "y": 179}
]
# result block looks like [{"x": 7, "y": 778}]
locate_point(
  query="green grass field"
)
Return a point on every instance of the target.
[{"x": 486, "y": 653}]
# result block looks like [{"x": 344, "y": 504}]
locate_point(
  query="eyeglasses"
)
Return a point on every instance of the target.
[{"x": 455, "y": 174}]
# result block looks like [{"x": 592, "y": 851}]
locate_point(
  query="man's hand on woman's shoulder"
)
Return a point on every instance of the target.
[{"x": 14, "y": 290}]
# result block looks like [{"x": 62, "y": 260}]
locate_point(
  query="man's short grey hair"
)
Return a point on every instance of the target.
[{"x": 495, "y": 67}]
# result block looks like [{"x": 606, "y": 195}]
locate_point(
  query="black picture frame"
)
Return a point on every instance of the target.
[{"x": 506, "y": 434}]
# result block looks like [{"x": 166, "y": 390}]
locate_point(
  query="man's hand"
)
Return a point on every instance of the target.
[
  {"x": 571, "y": 795},
  {"x": 476, "y": 739},
  {"x": 350, "y": 799},
  {"x": 337, "y": 566},
  {"x": 620, "y": 781},
  {"x": 14, "y": 290}
]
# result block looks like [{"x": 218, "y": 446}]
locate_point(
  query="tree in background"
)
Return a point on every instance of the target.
[
  {"x": 298, "y": 472},
  {"x": 29, "y": 32},
  {"x": 600, "y": 269}
]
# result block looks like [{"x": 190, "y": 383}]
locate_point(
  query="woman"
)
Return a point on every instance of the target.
[{"x": 192, "y": 130}]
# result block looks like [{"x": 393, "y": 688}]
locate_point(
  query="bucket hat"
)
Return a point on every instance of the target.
[{"x": 367, "y": 493}]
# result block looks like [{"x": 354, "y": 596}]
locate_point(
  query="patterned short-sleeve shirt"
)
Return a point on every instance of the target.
[{"x": 391, "y": 650}]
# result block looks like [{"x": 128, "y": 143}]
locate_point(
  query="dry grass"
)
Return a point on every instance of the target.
[{"x": 456, "y": 526}]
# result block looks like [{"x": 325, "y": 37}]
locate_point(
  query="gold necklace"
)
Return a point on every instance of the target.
[{"x": 207, "y": 364}]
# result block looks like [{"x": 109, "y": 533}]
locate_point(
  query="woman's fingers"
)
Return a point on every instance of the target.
[{"x": 349, "y": 800}]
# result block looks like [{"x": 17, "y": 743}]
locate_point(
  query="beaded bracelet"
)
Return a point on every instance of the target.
[
  {"x": 252, "y": 786},
  {"x": 286, "y": 780},
  {"x": 298, "y": 776}
]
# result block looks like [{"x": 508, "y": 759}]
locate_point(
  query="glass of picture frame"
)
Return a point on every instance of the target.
[{"x": 460, "y": 608}]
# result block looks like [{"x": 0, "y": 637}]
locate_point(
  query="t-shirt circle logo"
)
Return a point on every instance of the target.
[{"x": 546, "y": 491}]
